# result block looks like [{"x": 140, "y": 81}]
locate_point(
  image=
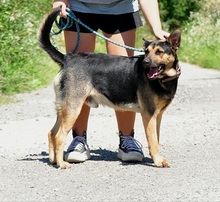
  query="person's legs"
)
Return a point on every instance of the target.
[
  {"x": 86, "y": 44},
  {"x": 78, "y": 149},
  {"x": 125, "y": 120}
]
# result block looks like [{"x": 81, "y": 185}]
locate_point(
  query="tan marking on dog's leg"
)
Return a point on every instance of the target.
[
  {"x": 59, "y": 142},
  {"x": 68, "y": 115},
  {"x": 150, "y": 125},
  {"x": 159, "y": 118},
  {"x": 51, "y": 148},
  {"x": 51, "y": 139}
]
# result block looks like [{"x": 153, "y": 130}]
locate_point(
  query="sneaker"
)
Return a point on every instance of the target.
[
  {"x": 78, "y": 150},
  {"x": 130, "y": 149}
]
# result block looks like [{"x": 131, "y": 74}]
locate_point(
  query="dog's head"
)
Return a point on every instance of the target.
[{"x": 160, "y": 56}]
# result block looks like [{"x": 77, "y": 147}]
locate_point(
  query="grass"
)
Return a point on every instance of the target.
[
  {"x": 23, "y": 65},
  {"x": 198, "y": 51}
]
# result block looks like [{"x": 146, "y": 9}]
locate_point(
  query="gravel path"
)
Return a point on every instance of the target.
[{"x": 190, "y": 140}]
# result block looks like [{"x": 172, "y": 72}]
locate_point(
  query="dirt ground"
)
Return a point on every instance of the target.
[{"x": 190, "y": 140}]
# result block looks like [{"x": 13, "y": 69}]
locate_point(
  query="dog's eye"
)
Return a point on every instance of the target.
[
  {"x": 146, "y": 51},
  {"x": 159, "y": 52}
]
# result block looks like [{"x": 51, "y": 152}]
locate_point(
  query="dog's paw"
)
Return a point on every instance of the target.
[
  {"x": 164, "y": 164},
  {"x": 52, "y": 157},
  {"x": 160, "y": 162},
  {"x": 64, "y": 165},
  {"x": 52, "y": 160}
]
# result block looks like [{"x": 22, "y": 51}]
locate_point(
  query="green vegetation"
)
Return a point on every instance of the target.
[
  {"x": 176, "y": 13},
  {"x": 25, "y": 67},
  {"x": 201, "y": 37}
]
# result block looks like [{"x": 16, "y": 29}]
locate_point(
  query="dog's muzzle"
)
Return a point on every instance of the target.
[{"x": 153, "y": 70}]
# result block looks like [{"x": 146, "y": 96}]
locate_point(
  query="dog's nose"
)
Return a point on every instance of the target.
[{"x": 147, "y": 61}]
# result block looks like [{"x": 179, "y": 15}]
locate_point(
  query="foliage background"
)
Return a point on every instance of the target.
[{"x": 24, "y": 66}]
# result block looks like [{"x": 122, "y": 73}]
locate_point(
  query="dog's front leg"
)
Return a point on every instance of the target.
[
  {"x": 159, "y": 118},
  {"x": 150, "y": 126}
]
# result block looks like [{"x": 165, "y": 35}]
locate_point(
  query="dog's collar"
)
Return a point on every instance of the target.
[{"x": 178, "y": 72}]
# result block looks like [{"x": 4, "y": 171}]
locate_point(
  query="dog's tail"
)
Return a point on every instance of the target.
[{"x": 44, "y": 37}]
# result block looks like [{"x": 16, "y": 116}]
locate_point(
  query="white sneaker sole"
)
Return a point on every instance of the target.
[
  {"x": 131, "y": 156},
  {"x": 77, "y": 157}
]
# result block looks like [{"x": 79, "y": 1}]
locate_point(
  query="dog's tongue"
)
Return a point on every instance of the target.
[{"x": 152, "y": 73}]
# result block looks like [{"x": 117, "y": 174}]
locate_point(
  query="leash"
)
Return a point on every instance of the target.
[{"x": 69, "y": 22}]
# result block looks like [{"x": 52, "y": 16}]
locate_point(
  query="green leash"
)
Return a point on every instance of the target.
[{"x": 69, "y": 22}]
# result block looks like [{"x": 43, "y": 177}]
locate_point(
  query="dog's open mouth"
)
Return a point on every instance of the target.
[{"x": 155, "y": 72}]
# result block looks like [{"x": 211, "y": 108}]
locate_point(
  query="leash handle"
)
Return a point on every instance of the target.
[{"x": 69, "y": 23}]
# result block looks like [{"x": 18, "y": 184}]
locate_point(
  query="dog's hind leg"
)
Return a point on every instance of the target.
[
  {"x": 56, "y": 137},
  {"x": 51, "y": 139},
  {"x": 66, "y": 118},
  {"x": 151, "y": 128}
]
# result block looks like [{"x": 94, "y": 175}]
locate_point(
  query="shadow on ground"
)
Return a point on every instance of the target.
[{"x": 96, "y": 155}]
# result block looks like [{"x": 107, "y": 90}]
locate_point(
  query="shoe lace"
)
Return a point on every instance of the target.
[
  {"x": 78, "y": 143},
  {"x": 131, "y": 144}
]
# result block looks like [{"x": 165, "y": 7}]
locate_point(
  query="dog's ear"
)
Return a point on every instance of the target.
[
  {"x": 146, "y": 43},
  {"x": 175, "y": 38}
]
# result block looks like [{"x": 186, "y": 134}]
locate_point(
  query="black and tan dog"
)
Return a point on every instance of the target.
[{"x": 145, "y": 84}]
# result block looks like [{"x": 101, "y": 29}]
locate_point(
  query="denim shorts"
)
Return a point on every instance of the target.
[{"x": 110, "y": 24}]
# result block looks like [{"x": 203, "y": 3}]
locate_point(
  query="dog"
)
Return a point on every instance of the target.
[{"x": 145, "y": 84}]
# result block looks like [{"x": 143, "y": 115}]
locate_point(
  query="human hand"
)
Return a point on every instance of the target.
[
  {"x": 63, "y": 4},
  {"x": 160, "y": 34}
]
